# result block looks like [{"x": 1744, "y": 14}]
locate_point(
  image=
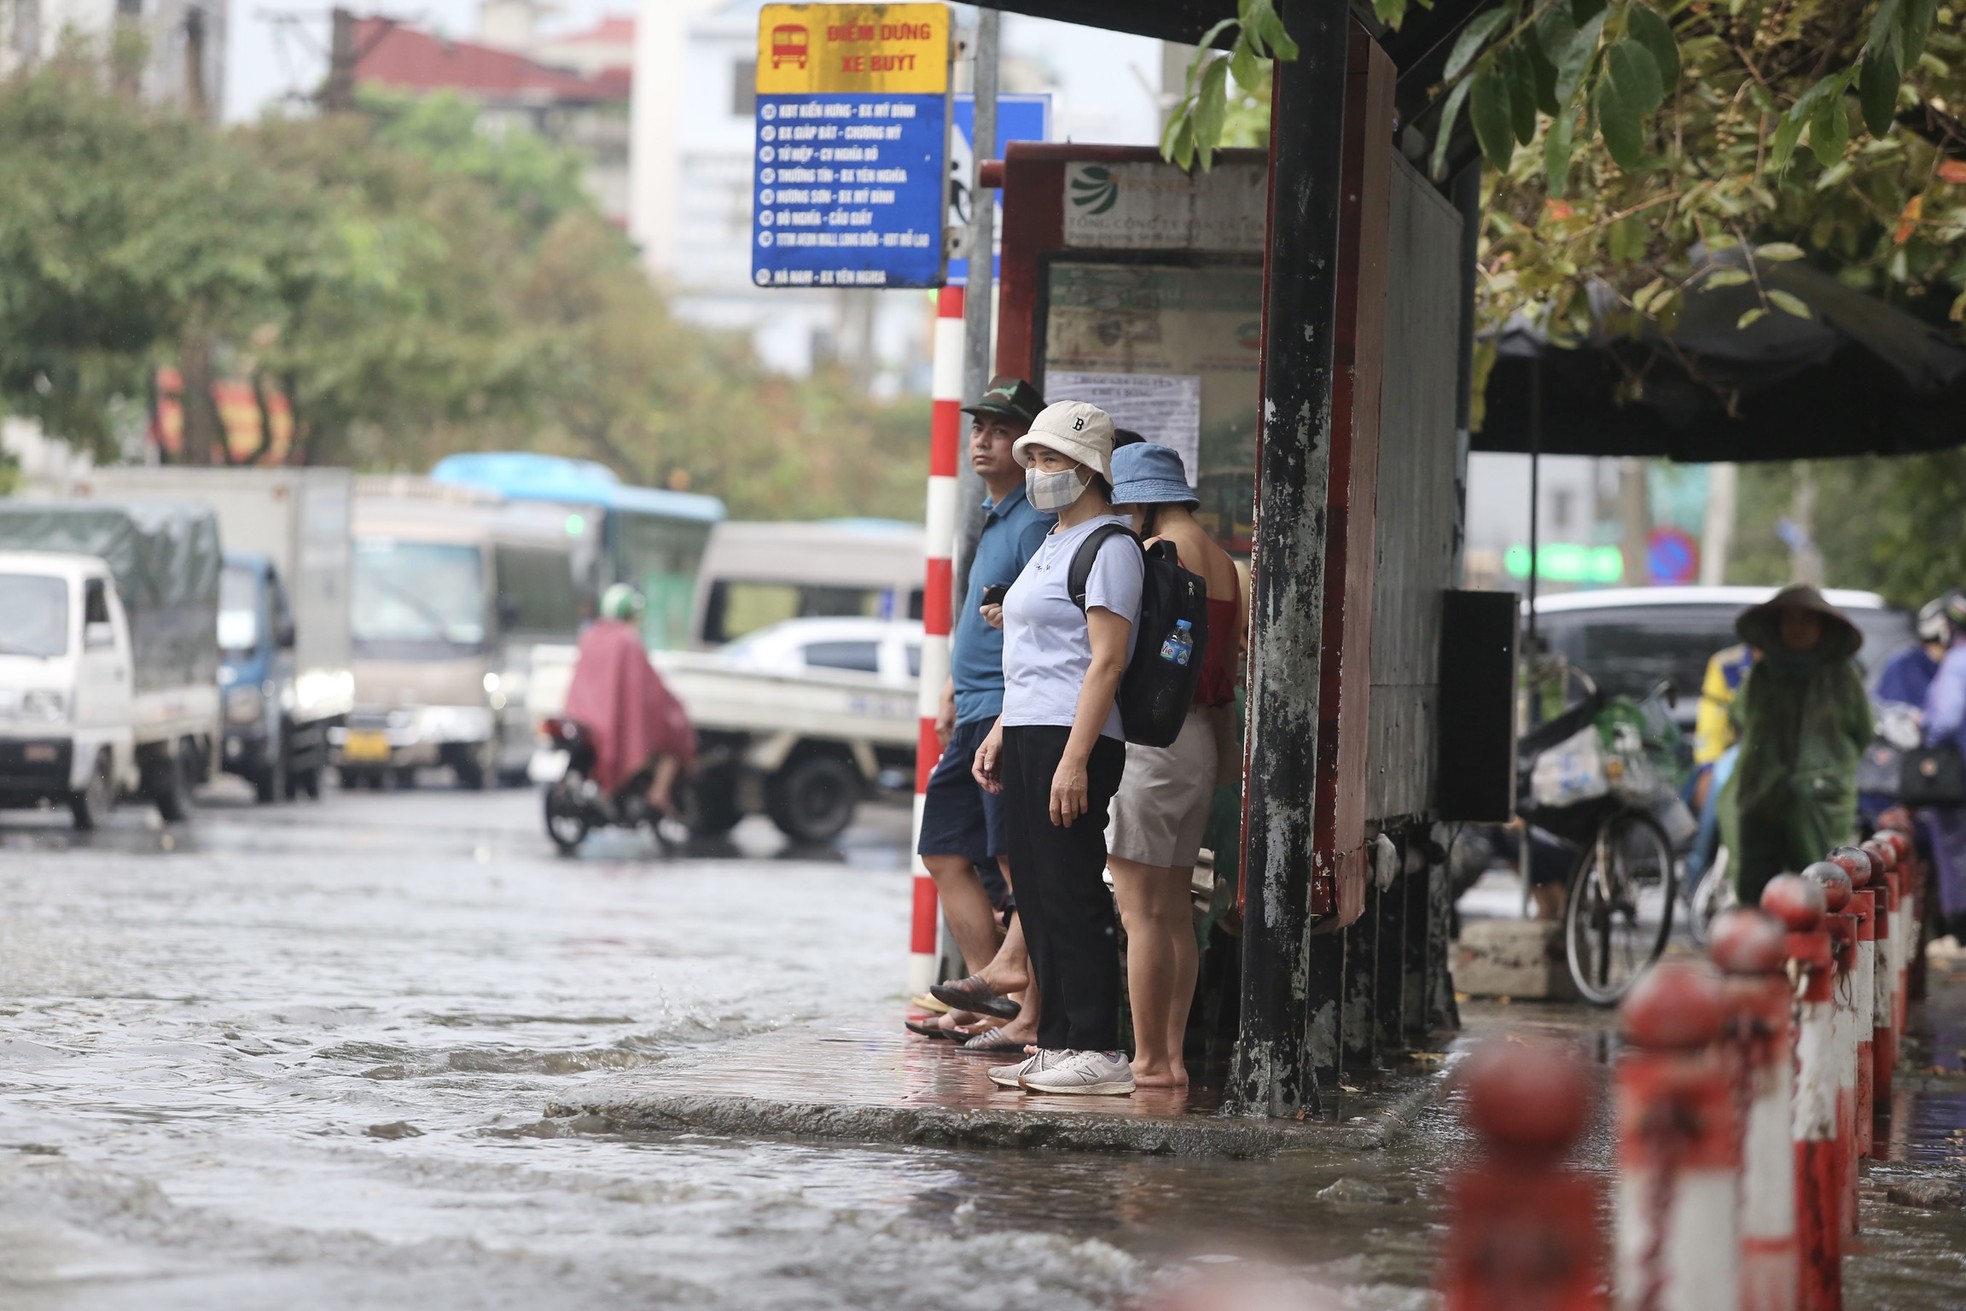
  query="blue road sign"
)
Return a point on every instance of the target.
[
  {"x": 1020, "y": 117},
  {"x": 848, "y": 190}
]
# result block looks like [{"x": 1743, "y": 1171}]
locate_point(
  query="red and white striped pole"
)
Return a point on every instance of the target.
[
  {"x": 1802, "y": 904},
  {"x": 1522, "y": 1219},
  {"x": 1751, "y": 949},
  {"x": 939, "y": 543},
  {"x": 1863, "y": 986},
  {"x": 1891, "y": 852},
  {"x": 1884, "y": 1007},
  {"x": 1842, "y": 928},
  {"x": 1679, "y": 1154}
]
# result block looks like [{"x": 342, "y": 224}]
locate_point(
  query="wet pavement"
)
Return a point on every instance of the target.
[{"x": 303, "y": 1056}]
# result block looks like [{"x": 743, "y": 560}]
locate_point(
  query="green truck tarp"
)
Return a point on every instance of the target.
[{"x": 165, "y": 559}]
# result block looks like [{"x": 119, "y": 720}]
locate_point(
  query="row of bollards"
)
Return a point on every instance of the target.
[{"x": 1746, "y": 1095}]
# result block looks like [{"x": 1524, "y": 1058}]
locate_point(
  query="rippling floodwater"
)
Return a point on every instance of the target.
[{"x": 299, "y": 1060}]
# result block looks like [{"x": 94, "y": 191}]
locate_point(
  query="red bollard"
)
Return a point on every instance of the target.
[
  {"x": 1862, "y": 868},
  {"x": 1842, "y": 928},
  {"x": 1522, "y": 1223},
  {"x": 1896, "y": 851},
  {"x": 1897, "y": 834},
  {"x": 1679, "y": 1150},
  {"x": 1801, "y": 906},
  {"x": 1750, "y": 947},
  {"x": 1886, "y": 889}
]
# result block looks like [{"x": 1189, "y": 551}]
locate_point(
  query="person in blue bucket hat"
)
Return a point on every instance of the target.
[{"x": 1165, "y": 793}]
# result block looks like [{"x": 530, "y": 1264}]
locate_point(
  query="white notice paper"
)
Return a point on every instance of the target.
[{"x": 1163, "y": 408}]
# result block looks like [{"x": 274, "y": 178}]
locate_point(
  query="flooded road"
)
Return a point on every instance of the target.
[{"x": 297, "y": 1057}]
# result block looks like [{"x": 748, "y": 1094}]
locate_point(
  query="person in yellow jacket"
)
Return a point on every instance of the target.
[
  {"x": 1714, "y": 730},
  {"x": 1715, "y": 735}
]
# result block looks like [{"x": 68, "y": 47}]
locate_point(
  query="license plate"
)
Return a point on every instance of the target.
[{"x": 365, "y": 746}]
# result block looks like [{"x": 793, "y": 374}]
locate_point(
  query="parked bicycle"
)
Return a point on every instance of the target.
[{"x": 1594, "y": 777}]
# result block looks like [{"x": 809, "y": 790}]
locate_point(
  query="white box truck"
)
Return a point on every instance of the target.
[
  {"x": 283, "y": 617},
  {"x": 108, "y": 654}
]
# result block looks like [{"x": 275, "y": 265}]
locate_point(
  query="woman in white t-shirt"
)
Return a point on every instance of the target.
[{"x": 1057, "y": 751}]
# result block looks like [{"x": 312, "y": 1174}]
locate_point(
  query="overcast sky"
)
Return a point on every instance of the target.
[{"x": 278, "y": 48}]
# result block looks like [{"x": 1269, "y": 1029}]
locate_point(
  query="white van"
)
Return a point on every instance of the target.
[
  {"x": 756, "y": 574},
  {"x": 108, "y": 655}
]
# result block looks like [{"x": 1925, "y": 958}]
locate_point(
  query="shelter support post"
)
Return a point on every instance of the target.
[{"x": 1311, "y": 593}]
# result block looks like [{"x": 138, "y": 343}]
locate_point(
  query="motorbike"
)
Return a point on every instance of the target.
[{"x": 576, "y": 804}]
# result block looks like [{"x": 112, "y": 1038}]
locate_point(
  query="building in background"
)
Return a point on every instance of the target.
[
  {"x": 1579, "y": 540},
  {"x": 696, "y": 69},
  {"x": 183, "y": 61},
  {"x": 571, "y": 89}
]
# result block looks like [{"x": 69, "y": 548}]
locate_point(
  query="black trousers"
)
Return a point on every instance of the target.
[{"x": 1061, "y": 893}]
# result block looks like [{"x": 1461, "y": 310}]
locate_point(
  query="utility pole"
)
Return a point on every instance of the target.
[
  {"x": 1717, "y": 533},
  {"x": 195, "y": 99},
  {"x": 977, "y": 321},
  {"x": 338, "y": 96}
]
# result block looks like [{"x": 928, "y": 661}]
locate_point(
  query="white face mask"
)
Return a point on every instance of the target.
[{"x": 1053, "y": 491}]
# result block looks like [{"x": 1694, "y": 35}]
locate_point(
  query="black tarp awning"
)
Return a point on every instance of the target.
[
  {"x": 1859, "y": 377},
  {"x": 1419, "y": 48}
]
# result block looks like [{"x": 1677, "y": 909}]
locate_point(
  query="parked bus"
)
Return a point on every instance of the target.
[
  {"x": 451, "y": 588},
  {"x": 761, "y": 573},
  {"x": 648, "y": 537}
]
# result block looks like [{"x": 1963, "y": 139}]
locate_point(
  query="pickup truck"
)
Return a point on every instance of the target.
[
  {"x": 108, "y": 655},
  {"x": 802, "y": 748},
  {"x": 285, "y": 671}
]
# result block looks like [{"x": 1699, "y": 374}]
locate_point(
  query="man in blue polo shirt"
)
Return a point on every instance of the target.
[{"x": 962, "y": 825}]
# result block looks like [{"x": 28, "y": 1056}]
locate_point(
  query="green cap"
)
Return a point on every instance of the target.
[
  {"x": 1009, "y": 398},
  {"x": 621, "y": 601}
]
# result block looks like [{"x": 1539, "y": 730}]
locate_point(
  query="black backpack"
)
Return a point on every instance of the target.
[{"x": 1155, "y": 694}]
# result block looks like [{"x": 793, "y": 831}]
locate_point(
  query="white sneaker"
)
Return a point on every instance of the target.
[
  {"x": 1107, "y": 1074},
  {"x": 1012, "y": 1076}
]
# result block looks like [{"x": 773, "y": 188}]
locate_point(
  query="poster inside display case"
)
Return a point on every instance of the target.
[{"x": 1171, "y": 351}]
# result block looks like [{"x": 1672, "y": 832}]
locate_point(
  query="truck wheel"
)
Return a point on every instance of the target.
[
  {"x": 709, "y": 804},
  {"x": 272, "y": 782},
  {"x": 477, "y": 771},
  {"x": 812, "y": 798},
  {"x": 170, "y": 783},
  {"x": 91, "y": 805}
]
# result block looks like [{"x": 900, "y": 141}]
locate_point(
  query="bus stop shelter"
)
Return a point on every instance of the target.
[{"x": 1362, "y": 740}]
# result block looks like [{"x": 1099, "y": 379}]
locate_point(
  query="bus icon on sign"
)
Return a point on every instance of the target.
[{"x": 788, "y": 45}]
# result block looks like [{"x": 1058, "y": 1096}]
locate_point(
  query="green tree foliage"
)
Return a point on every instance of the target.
[
  {"x": 413, "y": 285},
  {"x": 1625, "y": 141},
  {"x": 1896, "y": 525}
]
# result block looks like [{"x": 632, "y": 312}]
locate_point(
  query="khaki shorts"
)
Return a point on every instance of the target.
[{"x": 1163, "y": 802}]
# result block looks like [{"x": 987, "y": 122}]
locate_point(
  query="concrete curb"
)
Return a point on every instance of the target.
[{"x": 1219, "y": 1135}]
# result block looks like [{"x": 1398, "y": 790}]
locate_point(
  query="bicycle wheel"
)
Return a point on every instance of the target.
[
  {"x": 1620, "y": 908},
  {"x": 1714, "y": 895}
]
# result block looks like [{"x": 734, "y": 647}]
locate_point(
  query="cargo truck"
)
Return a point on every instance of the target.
[
  {"x": 108, "y": 655},
  {"x": 283, "y": 623},
  {"x": 453, "y": 587}
]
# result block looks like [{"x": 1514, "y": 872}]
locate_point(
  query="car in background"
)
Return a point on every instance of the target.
[
  {"x": 888, "y": 648},
  {"x": 754, "y": 574},
  {"x": 1629, "y": 639}
]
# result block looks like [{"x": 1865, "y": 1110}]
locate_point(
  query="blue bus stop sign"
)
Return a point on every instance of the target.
[{"x": 850, "y": 151}]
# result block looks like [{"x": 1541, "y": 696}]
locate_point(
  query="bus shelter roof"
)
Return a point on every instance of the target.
[{"x": 1858, "y": 376}]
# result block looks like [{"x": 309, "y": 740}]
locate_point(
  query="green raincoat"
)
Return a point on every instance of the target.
[{"x": 1804, "y": 721}]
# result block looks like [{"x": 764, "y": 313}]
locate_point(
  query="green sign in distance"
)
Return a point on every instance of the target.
[{"x": 1568, "y": 562}]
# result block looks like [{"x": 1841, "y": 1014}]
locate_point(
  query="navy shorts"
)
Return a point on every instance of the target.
[{"x": 958, "y": 817}]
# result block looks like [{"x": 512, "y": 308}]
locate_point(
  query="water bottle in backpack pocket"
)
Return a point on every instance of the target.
[
  {"x": 1158, "y": 686},
  {"x": 1179, "y": 646}
]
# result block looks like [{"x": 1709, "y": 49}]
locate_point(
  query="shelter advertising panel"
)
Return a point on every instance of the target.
[{"x": 851, "y": 146}]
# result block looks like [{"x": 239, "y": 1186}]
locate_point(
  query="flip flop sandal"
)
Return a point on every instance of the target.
[
  {"x": 991, "y": 1043},
  {"x": 972, "y": 994},
  {"x": 928, "y": 1003},
  {"x": 929, "y": 1029}
]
